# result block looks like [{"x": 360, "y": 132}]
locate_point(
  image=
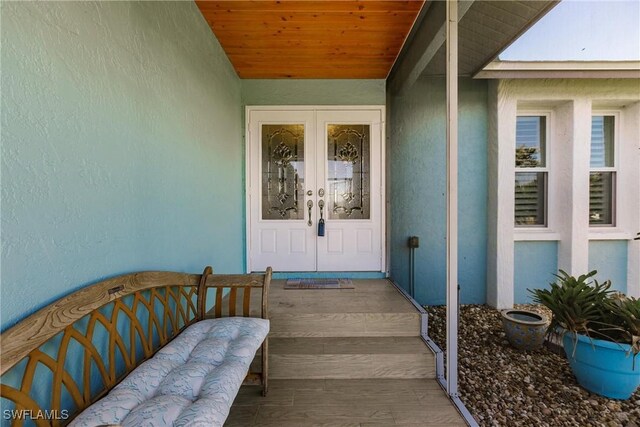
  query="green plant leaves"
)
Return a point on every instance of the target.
[
  {"x": 625, "y": 313},
  {"x": 584, "y": 306}
]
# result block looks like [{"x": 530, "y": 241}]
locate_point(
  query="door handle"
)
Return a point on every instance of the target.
[
  {"x": 321, "y": 221},
  {"x": 310, "y": 206}
]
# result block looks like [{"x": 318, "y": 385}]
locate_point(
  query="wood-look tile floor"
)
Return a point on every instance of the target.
[
  {"x": 365, "y": 402},
  {"x": 347, "y": 357},
  {"x": 367, "y": 296}
]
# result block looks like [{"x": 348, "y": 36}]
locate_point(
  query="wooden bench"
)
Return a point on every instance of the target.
[{"x": 70, "y": 354}]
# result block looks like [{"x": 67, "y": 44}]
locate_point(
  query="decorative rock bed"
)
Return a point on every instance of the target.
[{"x": 503, "y": 386}]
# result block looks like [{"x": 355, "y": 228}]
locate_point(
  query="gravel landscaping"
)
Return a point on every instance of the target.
[{"x": 503, "y": 386}]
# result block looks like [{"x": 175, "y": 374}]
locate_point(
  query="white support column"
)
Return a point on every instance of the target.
[
  {"x": 630, "y": 164},
  {"x": 563, "y": 140},
  {"x": 500, "y": 249},
  {"x": 492, "y": 193},
  {"x": 452, "y": 196},
  {"x": 574, "y": 247}
]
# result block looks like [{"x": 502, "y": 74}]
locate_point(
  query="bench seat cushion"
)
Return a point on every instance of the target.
[{"x": 191, "y": 381}]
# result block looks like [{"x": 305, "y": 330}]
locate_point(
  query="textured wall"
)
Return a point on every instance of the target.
[
  {"x": 313, "y": 92},
  {"x": 121, "y": 147},
  {"x": 609, "y": 257},
  {"x": 535, "y": 264},
  {"x": 417, "y": 169}
]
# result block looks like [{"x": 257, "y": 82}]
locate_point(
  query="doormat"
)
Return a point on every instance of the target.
[{"x": 319, "y": 284}]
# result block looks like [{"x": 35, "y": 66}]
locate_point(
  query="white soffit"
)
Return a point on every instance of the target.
[{"x": 486, "y": 29}]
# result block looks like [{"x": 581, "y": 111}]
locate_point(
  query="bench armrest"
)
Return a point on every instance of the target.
[{"x": 227, "y": 286}]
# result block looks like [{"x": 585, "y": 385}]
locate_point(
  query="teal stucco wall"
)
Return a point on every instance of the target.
[
  {"x": 609, "y": 257},
  {"x": 313, "y": 92},
  {"x": 417, "y": 173},
  {"x": 535, "y": 264},
  {"x": 121, "y": 147}
]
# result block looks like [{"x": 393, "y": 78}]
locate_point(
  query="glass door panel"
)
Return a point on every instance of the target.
[
  {"x": 282, "y": 172},
  {"x": 348, "y": 169}
]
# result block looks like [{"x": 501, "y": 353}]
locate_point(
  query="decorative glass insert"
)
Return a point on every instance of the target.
[
  {"x": 530, "y": 197},
  {"x": 349, "y": 158},
  {"x": 601, "y": 197},
  {"x": 282, "y": 171},
  {"x": 531, "y": 141},
  {"x": 602, "y": 143}
]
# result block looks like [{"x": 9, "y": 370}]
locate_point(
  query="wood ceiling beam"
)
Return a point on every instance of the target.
[{"x": 429, "y": 36}]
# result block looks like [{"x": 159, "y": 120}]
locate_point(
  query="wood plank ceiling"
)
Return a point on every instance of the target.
[{"x": 345, "y": 39}]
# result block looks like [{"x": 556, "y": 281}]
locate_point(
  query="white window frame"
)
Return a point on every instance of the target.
[
  {"x": 615, "y": 169},
  {"x": 544, "y": 231}
]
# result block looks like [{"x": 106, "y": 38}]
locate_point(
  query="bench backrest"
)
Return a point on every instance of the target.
[{"x": 66, "y": 356}]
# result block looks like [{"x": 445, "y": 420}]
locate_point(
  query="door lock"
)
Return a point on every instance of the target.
[
  {"x": 321, "y": 192},
  {"x": 309, "y": 193}
]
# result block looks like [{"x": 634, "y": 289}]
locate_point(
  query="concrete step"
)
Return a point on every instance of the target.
[{"x": 350, "y": 357}]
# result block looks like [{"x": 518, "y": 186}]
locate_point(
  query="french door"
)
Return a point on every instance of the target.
[{"x": 309, "y": 169}]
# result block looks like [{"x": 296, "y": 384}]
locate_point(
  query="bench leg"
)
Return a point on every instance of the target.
[{"x": 265, "y": 366}]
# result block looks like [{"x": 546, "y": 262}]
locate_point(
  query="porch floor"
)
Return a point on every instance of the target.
[{"x": 348, "y": 357}]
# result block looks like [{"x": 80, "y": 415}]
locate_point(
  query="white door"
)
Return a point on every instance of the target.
[
  {"x": 305, "y": 164},
  {"x": 348, "y": 170}
]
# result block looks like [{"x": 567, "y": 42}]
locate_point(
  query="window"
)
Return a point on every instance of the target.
[
  {"x": 602, "y": 173},
  {"x": 531, "y": 171}
]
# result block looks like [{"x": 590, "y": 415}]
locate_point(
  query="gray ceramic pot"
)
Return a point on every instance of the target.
[{"x": 525, "y": 329}]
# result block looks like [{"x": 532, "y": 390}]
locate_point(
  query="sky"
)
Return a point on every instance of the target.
[{"x": 582, "y": 30}]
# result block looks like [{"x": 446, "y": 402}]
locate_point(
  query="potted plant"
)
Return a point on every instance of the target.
[
  {"x": 600, "y": 331},
  {"x": 525, "y": 330}
]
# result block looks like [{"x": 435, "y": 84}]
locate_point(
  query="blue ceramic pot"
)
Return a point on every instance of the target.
[
  {"x": 525, "y": 330},
  {"x": 603, "y": 367}
]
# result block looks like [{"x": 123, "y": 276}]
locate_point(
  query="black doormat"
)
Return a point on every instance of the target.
[{"x": 319, "y": 284}]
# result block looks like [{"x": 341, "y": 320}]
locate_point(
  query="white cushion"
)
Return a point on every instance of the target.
[{"x": 191, "y": 381}]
